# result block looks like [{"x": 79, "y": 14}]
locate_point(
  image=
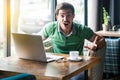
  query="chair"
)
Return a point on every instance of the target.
[
  {"x": 97, "y": 71},
  {"x": 7, "y": 75},
  {"x": 112, "y": 58}
]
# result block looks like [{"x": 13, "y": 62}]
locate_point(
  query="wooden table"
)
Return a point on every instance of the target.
[
  {"x": 62, "y": 70},
  {"x": 108, "y": 33}
]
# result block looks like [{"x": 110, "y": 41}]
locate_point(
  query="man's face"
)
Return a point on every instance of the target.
[{"x": 65, "y": 18}]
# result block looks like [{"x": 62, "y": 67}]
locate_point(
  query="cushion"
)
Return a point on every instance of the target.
[
  {"x": 112, "y": 57},
  {"x": 23, "y": 76}
]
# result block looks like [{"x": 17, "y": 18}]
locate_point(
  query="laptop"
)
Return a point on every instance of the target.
[{"x": 31, "y": 47}]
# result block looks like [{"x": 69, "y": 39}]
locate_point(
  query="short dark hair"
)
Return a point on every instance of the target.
[{"x": 64, "y": 5}]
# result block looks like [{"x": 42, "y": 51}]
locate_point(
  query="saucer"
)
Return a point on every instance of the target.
[{"x": 76, "y": 59}]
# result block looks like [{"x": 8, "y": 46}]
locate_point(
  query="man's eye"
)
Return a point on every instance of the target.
[
  {"x": 68, "y": 16},
  {"x": 62, "y": 16}
]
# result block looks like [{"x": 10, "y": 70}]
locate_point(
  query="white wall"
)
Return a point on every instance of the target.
[{"x": 92, "y": 14}]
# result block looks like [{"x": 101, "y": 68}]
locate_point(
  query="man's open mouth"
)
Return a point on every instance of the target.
[{"x": 66, "y": 23}]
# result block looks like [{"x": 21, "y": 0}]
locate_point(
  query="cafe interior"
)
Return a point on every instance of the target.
[{"x": 30, "y": 16}]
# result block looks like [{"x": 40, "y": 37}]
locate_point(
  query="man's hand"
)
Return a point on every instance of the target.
[
  {"x": 92, "y": 46},
  {"x": 97, "y": 42},
  {"x": 47, "y": 48}
]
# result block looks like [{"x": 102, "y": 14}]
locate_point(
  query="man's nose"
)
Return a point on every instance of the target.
[{"x": 65, "y": 18}]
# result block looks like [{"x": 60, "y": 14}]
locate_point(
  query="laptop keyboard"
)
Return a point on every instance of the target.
[{"x": 52, "y": 56}]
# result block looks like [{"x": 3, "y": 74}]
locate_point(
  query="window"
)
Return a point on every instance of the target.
[
  {"x": 2, "y": 38},
  {"x": 33, "y": 15},
  {"x": 29, "y": 16}
]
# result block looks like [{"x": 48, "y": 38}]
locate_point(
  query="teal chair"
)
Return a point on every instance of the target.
[{"x": 22, "y": 76}]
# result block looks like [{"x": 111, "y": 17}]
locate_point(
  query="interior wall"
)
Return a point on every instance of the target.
[
  {"x": 92, "y": 14},
  {"x": 95, "y": 14}
]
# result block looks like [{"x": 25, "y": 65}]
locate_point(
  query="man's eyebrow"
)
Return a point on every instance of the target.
[{"x": 66, "y": 13}]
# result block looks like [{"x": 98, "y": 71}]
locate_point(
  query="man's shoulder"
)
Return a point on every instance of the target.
[
  {"x": 78, "y": 25},
  {"x": 51, "y": 24}
]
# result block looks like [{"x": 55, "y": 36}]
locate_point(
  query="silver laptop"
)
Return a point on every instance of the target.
[{"x": 31, "y": 47}]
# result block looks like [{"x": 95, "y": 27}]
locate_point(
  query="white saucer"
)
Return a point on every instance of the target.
[{"x": 77, "y": 59}]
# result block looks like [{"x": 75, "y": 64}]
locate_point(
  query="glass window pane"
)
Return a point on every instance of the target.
[
  {"x": 2, "y": 42},
  {"x": 79, "y": 9},
  {"x": 29, "y": 16},
  {"x": 33, "y": 15}
]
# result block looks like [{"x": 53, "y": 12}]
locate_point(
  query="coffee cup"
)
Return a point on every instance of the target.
[{"x": 73, "y": 55}]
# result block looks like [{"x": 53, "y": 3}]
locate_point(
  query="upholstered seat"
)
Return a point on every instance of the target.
[
  {"x": 8, "y": 75},
  {"x": 23, "y": 76},
  {"x": 112, "y": 58}
]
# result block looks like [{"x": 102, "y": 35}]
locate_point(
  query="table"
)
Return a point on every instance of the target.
[
  {"x": 108, "y": 33},
  {"x": 62, "y": 70}
]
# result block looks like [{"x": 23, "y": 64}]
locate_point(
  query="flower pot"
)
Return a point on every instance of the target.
[{"x": 105, "y": 27}]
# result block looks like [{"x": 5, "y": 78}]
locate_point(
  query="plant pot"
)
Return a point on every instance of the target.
[{"x": 105, "y": 27}]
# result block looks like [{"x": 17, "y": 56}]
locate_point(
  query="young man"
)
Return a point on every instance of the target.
[{"x": 67, "y": 35}]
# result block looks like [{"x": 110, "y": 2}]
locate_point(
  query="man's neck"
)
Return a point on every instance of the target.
[{"x": 66, "y": 30}]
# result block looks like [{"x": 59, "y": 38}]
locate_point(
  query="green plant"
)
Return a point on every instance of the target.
[{"x": 105, "y": 16}]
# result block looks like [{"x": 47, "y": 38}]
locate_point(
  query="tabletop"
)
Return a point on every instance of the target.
[
  {"x": 57, "y": 70},
  {"x": 108, "y": 33}
]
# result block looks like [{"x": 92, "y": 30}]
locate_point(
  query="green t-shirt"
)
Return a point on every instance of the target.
[{"x": 64, "y": 44}]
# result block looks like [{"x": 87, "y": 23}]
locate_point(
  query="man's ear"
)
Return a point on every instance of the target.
[
  {"x": 56, "y": 17},
  {"x": 73, "y": 15}
]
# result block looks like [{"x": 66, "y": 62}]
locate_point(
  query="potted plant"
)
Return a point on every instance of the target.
[{"x": 105, "y": 20}]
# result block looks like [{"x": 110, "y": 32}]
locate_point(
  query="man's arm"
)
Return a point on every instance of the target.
[{"x": 98, "y": 42}]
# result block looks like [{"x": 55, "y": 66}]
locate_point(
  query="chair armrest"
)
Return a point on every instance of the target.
[{"x": 97, "y": 71}]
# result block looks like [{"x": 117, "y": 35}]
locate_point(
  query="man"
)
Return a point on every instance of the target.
[{"x": 67, "y": 35}]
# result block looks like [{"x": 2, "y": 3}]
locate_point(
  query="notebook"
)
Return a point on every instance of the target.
[{"x": 31, "y": 47}]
